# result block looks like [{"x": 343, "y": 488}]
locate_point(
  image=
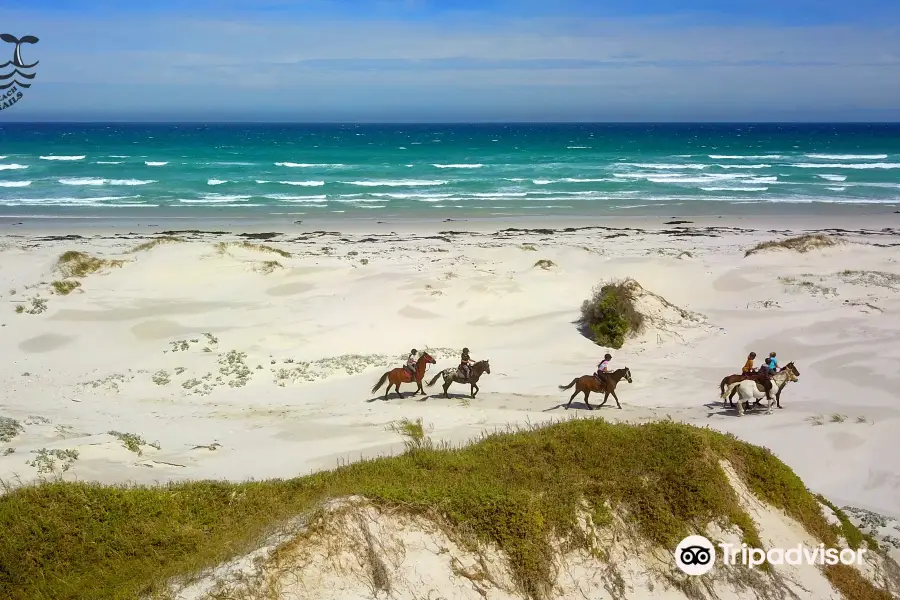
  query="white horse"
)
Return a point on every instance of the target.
[{"x": 750, "y": 389}]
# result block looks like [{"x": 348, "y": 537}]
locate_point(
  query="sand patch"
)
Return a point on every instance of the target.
[
  {"x": 46, "y": 343},
  {"x": 146, "y": 308},
  {"x": 412, "y": 312},
  {"x": 290, "y": 289}
]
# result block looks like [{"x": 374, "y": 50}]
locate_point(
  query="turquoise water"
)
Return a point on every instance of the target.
[{"x": 453, "y": 170}]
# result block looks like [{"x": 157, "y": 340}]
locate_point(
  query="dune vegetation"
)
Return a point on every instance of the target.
[
  {"x": 800, "y": 243},
  {"x": 611, "y": 314},
  {"x": 78, "y": 540}
]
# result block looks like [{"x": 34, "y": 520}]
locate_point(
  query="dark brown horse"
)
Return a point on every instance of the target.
[
  {"x": 400, "y": 375},
  {"x": 591, "y": 383},
  {"x": 452, "y": 375},
  {"x": 779, "y": 384}
]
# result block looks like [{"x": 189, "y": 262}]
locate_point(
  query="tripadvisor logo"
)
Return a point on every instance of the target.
[{"x": 15, "y": 75}]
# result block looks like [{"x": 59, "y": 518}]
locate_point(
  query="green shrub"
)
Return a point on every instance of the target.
[{"x": 610, "y": 313}]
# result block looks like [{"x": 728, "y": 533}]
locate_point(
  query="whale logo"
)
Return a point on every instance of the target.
[{"x": 13, "y": 82}]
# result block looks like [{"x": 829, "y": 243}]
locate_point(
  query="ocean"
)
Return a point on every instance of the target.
[{"x": 72, "y": 170}]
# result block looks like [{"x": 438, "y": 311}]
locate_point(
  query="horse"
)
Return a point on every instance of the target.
[
  {"x": 778, "y": 382},
  {"x": 400, "y": 375},
  {"x": 749, "y": 388},
  {"x": 591, "y": 383},
  {"x": 452, "y": 375}
]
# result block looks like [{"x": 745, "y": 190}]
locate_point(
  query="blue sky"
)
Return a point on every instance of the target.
[{"x": 459, "y": 60}]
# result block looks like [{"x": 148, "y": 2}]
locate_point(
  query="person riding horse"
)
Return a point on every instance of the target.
[
  {"x": 411, "y": 363},
  {"x": 763, "y": 376},
  {"x": 465, "y": 363},
  {"x": 603, "y": 367}
]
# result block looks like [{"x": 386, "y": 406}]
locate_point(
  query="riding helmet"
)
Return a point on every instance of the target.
[
  {"x": 465, "y": 349},
  {"x": 608, "y": 357},
  {"x": 414, "y": 351}
]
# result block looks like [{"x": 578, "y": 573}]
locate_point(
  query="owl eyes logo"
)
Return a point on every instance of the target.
[{"x": 12, "y": 71}]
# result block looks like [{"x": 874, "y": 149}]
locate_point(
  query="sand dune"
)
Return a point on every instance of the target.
[{"x": 239, "y": 368}]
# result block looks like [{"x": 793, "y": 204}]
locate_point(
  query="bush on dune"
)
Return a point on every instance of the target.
[
  {"x": 73, "y": 540},
  {"x": 610, "y": 313}
]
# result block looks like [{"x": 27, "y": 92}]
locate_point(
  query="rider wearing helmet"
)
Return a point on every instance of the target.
[
  {"x": 603, "y": 367},
  {"x": 465, "y": 363},
  {"x": 411, "y": 362}
]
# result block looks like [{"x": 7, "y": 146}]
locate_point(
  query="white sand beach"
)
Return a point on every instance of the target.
[{"x": 231, "y": 367}]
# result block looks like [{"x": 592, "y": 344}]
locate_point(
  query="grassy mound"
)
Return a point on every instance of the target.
[
  {"x": 611, "y": 313},
  {"x": 222, "y": 248},
  {"x": 150, "y": 245},
  {"x": 79, "y": 540},
  {"x": 65, "y": 286},
  {"x": 80, "y": 264},
  {"x": 801, "y": 243}
]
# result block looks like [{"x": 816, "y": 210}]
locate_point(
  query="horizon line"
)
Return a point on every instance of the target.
[{"x": 342, "y": 122}]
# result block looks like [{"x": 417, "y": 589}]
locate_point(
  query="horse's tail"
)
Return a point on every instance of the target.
[
  {"x": 434, "y": 379},
  {"x": 722, "y": 386},
  {"x": 381, "y": 381},
  {"x": 727, "y": 391},
  {"x": 565, "y": 387}
]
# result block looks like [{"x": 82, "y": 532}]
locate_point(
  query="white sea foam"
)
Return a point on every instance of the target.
[
  {"x": 14, "y": 184},
  {"x": 664, "y": 166},
  {"x": 396, "y": 183},
  {"x": 2, "y": 157},
  {"x": 744, "y": 166},
  {"x": 295, "y": 199},
  {"x": 734, "y": 189},
  {"x": 83, "y": 181},
  {"x": 308, "y": 165},
  {"x": 848, "y": 156},
  {"x": 847, "y": 165},
  {"x": 12, "y": 167},
  {"x": 836, "y": 189},
  {"x": 587, "y": 180},
  {"x": 214, "y": 199},
  {"x": 100, "y": 181},
  {"x": 400, "y": 196},
  {"x": 577, "y": 147},
  {"x": 501, "y": 195},
  {"x": 514, "y": 179},
  {"x": 216, "y": 181},
  {"x": 750, "y": 157},
  {"x": 832, "y": 177},
  {"x": 542, "y": 181},
  {"x": 63, "y": 201},
  {"x": 151, "y": 163},
  {"x": 459, "y": 166},
  {"x": 303, "y": 183},
  {"x": 63, "y": 157},
  {"x": 109, "y": 162}
]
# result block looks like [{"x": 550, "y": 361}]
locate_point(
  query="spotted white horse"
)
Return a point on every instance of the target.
[{"x": 749, "y": 389}]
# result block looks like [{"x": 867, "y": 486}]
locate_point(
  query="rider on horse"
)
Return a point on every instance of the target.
[
  {"x": 411, "y": 363},
  {"x": 603, "y": 367},
  {"x": 763, "y": 376},
  {"x": 465, "y": 363}
]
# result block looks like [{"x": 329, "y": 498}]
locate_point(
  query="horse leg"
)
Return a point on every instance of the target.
[
  {"x": 572, "y": 397},
  {"x": 474, "y": 389},
  {"x": 613, "y": 392},
  {"x": 447, "y": 383},
  {"x": 740, "y": 405},
  {"x": 586, "y": 403},
  {"x": 605, "y": 398}
]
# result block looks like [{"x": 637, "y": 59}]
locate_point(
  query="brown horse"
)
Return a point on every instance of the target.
[
  {"x": 591, "y": 383},
  {"x": 452, "y": 375},
  {"x": 779, "y": 383},
  {"x": 400, "y": 375}
]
